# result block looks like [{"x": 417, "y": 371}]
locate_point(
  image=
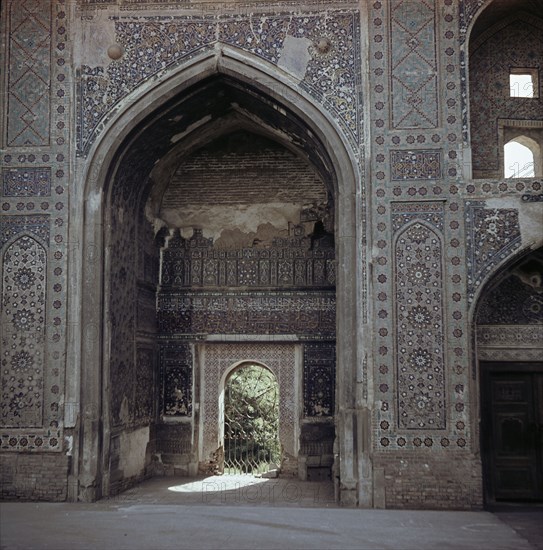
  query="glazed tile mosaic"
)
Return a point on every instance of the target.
[
  {"x": 29, "y": 84},
  {"x": 420, "y": 360},
  {"x": 413, "y": 65},
  {"x": 34, "y": 226},
  {"x": 153, "y": 45},
  {"x": 410, "y": 237},
  {"x": 26, "y": 182},
  {"x": 492, "y": 235}
]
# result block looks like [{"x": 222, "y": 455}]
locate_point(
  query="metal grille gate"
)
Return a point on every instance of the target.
[{"x": 251, "y": 421}]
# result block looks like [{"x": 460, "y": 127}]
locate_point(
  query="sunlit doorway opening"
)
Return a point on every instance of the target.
[
  {"x": 519, "y": 159},
  {"x": 251, "y": 421}
]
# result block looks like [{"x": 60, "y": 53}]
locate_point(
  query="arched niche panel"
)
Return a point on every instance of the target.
[
  {"x": 420, "y": 345},
  {"x": 23, "y": 321}
]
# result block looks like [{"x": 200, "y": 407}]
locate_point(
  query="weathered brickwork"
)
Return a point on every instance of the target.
[
  {"x": 429, "y": 482},
  {"x": 238, "y": 172},
  {"x": 28, "y": 476}
]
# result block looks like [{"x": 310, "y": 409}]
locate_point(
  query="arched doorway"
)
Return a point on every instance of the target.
[
  {"x": 510, "y": 353},
  {"x": 251, "y": 421},
  {"x": 120, "y": 412}
]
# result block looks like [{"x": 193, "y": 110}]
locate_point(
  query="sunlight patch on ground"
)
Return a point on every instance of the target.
[
  {"x": 217, "y": 483},
  {"x": 249, "y": 490}
]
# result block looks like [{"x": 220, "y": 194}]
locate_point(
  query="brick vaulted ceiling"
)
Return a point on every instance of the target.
[
  {"x": 151, "y": 156},
  {"x": 501, "y": 9}
]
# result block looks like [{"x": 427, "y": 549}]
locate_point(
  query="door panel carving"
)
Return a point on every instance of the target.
[{"x": 512, "y": 417}]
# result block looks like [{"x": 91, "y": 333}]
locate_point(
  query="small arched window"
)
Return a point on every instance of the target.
[{"x": 519, "y": 158}]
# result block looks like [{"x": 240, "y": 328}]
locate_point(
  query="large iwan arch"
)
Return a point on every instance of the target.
[{"x": 283, "y": 113}]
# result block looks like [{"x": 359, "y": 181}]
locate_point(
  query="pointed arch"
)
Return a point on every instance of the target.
[
  {"x": 98, "y": 172},
  {"x": 229, "y": 425},
  {"x": 508, "y": 356}
]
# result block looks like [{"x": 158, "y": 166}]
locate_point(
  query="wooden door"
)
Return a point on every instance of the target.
[{"x": 512, "y": 429}]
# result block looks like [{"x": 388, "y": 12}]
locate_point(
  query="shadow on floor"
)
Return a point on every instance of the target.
[
  {"x": 247, "y": 491},
  {"x": 246, "y": 513},
  {"x": 525, "y": 519},
  {"x": 232, "y": 490}
]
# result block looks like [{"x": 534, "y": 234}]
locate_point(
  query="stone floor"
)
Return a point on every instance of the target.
[{"x": 240, "y": 512}]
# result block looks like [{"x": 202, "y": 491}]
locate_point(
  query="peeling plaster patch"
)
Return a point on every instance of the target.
[
  {"x": 264, "y": 236},
  {"x": 132, "y": 450},
  {"x": 530, "y": 215},
  {"x": 190, "y": 128},
  {"x": 97, "y": 36},
  {"x": 94, "y": 199},
  {"x": 69, "y": 444},
  {"x": 250, "y": 115},
  {"x": 295, "y": 56},
  {"x": 531, "y": 223},
  {"x": 214, "y": 219}
]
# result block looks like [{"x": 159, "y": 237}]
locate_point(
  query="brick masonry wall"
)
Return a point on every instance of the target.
[
  {"x": 123, "y": 484},
  {"x": 440, "y": 481},
  {"x": 34, "y": 476},
  {"x": 243, "y": 169}
]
